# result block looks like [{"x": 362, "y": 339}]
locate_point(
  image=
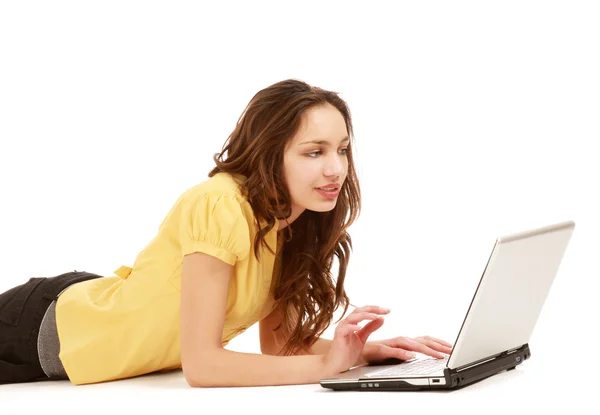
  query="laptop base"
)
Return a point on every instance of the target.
[{"x": 453, "y": 378}]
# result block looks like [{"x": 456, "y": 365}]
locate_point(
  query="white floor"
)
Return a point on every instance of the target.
[{"x": 534, "y": 387}]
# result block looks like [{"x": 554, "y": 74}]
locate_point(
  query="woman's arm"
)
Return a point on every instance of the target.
[
  {"x": 204, "y": 286},
  {"x": 271, "y": 342}
]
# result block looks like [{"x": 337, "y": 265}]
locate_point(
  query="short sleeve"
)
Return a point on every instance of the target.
[{"x": 215, "y": 224}]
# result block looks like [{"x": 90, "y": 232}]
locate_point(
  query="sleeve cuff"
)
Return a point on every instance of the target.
[{"x": 210, "y": 249}]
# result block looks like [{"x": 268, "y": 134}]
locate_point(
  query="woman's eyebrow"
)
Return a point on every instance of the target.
[{"x": 325, "y": 142}]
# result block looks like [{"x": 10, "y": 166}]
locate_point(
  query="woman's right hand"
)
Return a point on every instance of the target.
[{"x": 350, "y": 339}]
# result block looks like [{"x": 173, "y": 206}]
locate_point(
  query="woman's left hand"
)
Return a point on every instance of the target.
[{"x": 403, "y": 348}]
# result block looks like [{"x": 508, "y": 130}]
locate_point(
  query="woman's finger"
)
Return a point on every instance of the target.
[
  {"x": 432, "y": 343},
  {"x": 369, "y": 328},
  {"x": 422, "y": 348},
  {"x": 436, "y": 340},
  {"x": 372, "y": 309},
  {"x": 404, "y": 354},
  {"x": 358, "y": 317},
  {"x": 396, "y": 352}
]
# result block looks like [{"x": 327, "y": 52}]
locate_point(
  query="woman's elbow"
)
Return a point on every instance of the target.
[
  {"x": 191, "y": 378},
  {"x": 197, "y": 371},
  {"x": 189, "y": 373}
]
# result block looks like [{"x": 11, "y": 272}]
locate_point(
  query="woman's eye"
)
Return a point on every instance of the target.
[{"x": 315, "y": 153}]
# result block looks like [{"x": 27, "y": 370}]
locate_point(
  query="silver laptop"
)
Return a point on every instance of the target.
[{"x": 495, "y": 333}]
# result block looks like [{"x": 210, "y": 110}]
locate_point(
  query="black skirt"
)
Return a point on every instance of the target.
[{"x": 21, "y": 311}]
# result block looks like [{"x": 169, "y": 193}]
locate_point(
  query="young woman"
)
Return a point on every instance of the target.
[{"x": 254, "y": 242}]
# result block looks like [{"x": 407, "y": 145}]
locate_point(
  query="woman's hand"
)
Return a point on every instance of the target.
[
  {"x": 350, "y": 339},
  {"x": 403, "y": 348}
]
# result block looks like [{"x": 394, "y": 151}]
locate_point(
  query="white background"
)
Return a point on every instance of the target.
[{"x": 472, "y": 120}]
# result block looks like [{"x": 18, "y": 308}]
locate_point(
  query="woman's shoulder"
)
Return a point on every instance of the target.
[{"x": 215, "y": 187}]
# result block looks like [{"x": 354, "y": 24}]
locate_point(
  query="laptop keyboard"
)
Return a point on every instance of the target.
[{"x": 416, "y": 367}]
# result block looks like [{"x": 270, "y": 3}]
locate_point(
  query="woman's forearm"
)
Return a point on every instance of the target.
[{"x": 223, "y": 368}]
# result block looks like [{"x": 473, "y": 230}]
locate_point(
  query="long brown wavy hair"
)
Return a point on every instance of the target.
[{"x": 255, "y": 149}]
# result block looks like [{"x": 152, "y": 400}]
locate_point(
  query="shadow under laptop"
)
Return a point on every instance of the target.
[
  {"x": 496, "y": 380},
  {"x": 500, "y": 378}
]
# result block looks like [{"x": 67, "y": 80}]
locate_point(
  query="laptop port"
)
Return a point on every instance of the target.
[{"x": 435, "y": 380}]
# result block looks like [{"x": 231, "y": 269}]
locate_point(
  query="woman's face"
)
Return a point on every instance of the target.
[{"x": 316, "y": 160}]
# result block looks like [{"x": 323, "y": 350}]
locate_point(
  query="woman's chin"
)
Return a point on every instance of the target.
[{"x": 322, "y": 206}]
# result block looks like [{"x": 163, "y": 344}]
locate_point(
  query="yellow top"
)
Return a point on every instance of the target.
[{"x": 127, "y": 325}]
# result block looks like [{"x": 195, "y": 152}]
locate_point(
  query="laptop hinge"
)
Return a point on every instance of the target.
[
  {"x": 489, "y": 359},
  {"x": 475, "y": 364}
]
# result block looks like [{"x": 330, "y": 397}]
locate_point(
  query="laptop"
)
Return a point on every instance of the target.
[{"x": 494, "y": 336}]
